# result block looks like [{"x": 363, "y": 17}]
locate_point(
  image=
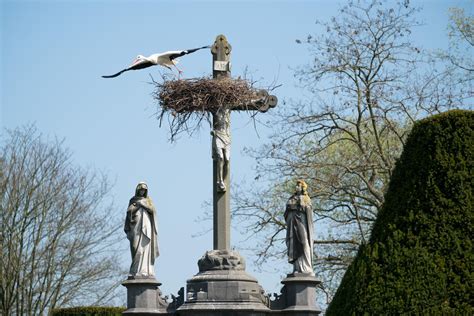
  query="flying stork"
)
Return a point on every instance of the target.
[{"x": 166, "y": 59}]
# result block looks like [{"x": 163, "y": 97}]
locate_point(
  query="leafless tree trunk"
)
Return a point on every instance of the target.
[{"x": 57, "y": 230}]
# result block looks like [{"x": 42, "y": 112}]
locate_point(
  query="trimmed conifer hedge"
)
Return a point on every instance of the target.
[
  {"x": 420, "y": 257},
  {"x": 88, "y": 311}
]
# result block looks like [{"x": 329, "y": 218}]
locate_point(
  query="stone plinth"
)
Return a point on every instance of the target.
[
  {"x": 223, "y": 288},
  {"x": 299, "y": 292},
  {"x": 144, "y": 297}
]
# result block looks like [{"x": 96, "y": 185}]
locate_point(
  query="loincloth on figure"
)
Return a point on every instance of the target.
[{"x": 220, "y": 145}]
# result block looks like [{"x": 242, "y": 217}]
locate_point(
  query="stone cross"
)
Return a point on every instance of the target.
[{"x": 221, "y": 50}]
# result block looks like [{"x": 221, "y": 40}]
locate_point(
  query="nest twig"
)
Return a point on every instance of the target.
[{"x": 187, "y": 103}]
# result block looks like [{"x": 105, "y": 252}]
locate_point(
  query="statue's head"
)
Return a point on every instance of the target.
[
  {"x": 141, "y": 190},
  {"x": 301, "y": 187}
]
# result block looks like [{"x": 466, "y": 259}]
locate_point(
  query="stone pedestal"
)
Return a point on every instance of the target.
[
  {"x": 299, "y": 293},
  {"x": 223, "y": 288},
  {"x": 144, "y": 297}
]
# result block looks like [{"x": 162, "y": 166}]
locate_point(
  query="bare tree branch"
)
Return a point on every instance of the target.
[
  {"x": 57, "y": 232},
  {"x": 369, "y": 83}
]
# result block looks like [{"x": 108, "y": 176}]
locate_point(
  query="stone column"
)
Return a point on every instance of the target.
[
  {"x": 144, "y": 297},
  {"x": 299, "y": 293}
]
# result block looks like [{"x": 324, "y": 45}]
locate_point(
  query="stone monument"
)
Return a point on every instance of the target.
[
  {"x": 222, "y": 287},
  {"x": 299, "y": 290},
  {"x": 143, "y": 293},
  {"x": 299, "y": 230}
]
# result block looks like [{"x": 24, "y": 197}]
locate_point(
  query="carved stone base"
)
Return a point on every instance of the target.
[
  {"x": 222, "y": 287},
  {"x": 144, "y": 297},
  {"x": 299, "y": 293},
  {"x": 221, "y": 260}
]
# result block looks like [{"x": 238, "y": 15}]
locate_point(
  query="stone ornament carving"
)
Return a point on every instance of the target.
[
  {"x": 299, "y": 234},
  {"x": 221, "y": 260},
  {"x": 141, "y": 231}
]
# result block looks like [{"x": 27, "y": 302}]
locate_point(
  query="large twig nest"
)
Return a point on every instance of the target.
[
  {"x": 202, "y": 94},
  {"x": 187, "y": 103}
]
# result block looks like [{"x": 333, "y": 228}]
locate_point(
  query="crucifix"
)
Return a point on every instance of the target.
[
  {"x": 222, "y": 283},
  {"x": 221, "y": 141}
]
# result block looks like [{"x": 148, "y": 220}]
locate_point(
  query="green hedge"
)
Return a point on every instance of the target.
[
  {"x": 88, "y": 311},
  {"x": 420, "y": 258}
]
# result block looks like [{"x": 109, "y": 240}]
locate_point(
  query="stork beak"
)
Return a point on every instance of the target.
[{"x": 136, "y": 61}]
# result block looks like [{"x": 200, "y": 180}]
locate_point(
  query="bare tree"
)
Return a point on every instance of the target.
[
  {"x": 461, "y": 34},
  {"x": 368, "y": 83},
  {"x": 57, "y": 231}
]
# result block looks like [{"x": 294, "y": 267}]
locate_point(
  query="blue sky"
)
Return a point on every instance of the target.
[{"x": 54, "y": 52}]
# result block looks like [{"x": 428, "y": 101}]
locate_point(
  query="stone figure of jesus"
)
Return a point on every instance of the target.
[
  {"x": 221, "y": 145},
  {"x": 141, "y": 231},
  {"x": 299, "y": 231}
]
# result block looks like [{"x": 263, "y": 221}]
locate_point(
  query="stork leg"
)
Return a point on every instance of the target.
[
  {"x": 179, "y": 70},
  {"x": 170, "y": 69}
]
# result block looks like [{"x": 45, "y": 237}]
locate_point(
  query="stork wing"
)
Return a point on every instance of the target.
[
  {"x": 116, "y": 75},
  {"x": 137, "y": 64},
  {"x": 177, "y": 54},
  {"x": 140, "y": 64}
]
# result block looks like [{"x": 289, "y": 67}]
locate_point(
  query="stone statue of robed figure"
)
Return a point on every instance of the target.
[
  {"x": 141, "y": 231},
  {"x": 299, "y": 233}
]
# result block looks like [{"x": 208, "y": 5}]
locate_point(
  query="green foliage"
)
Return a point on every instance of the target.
[
  {"x": 88, "y": 311},
  {"x": 419, "y": 258}
]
